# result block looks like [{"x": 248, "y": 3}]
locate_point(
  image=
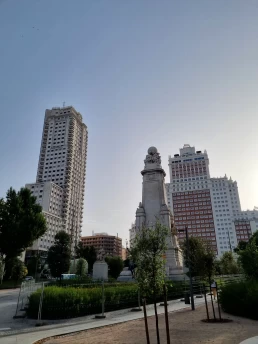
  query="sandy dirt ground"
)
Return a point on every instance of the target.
[{"x": 186, "y": 327}]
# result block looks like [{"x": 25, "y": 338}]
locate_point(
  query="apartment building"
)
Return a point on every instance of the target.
[
  {"x": 209, "y": 207},
  {"x": 60, "y": 181},
  {"x": 112, "y": 245}
]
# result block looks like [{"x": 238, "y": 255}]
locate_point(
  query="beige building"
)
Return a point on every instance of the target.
[
  {"x": 60, "y": 181},
  {"x": 124, "y": 253},
  {"x": 112, "y": 245}
]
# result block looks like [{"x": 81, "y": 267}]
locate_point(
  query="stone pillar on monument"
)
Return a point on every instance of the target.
[{"x": 154, "y": 208}]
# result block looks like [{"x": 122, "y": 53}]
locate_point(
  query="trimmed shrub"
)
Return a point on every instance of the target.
[
  {"x": 59, "y": 302},
  {"x": 240, "y": 298},
  {"x": 66, "y": 301}
]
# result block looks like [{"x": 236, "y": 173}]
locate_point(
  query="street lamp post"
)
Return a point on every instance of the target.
[{"x": 189, "y": 265}]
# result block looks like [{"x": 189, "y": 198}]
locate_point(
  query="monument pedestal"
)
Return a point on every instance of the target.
[{"x": 100, "y": 271}]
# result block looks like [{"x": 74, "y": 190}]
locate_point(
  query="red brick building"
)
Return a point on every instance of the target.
[
  {"x": 194, "y": 210},
  {"x": 243, "y": 230}
]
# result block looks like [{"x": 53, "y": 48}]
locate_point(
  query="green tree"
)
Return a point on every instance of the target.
[
  {"x": 89, "y": 253},
  {"x": 21, "y": 222},
  {"x": 115, "y": 265},
  {"x": 201, "y": 257},
  {"x": 147, "y": 252},
  {"x": 19, "y": 270},
  {"x": 81, "y": 267},
  {"x": 34, "y": 265},
  {"x": 248, "y": 259},
  {"x": 241, "y": 246},
  {"x": 79, "y": 250},
  {"x": 254, "y": 238},
  {"x": 228, "y": 264},
  {"x": 126, "y": 263},
  {"x": 59, "y": 255},
  {"x": 217, "y": 267}
]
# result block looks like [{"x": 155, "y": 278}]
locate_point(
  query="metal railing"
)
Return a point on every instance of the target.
[{"x": 26, "y": 289}]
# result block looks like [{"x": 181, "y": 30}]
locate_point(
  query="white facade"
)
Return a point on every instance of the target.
[
  {"x": 225, "y": 205},
  {"x": 60, "y": 182},
  {"x": 132, "y": 233},
  {"x": 251, "y": 215},
  {"x": 190, "y": 176},
  {"x": 50, "y": 197}
]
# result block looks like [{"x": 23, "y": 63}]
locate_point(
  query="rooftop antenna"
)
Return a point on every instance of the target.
[{"x": 63, "y": 104}]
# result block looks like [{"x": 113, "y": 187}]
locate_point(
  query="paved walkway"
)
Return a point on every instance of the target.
[
  {"x": 89, "y": 323},
  {"x": 253, "y": 340}
]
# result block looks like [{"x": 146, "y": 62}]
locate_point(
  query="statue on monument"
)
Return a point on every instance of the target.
[
  {"x": 100, "y": 267},
  {"x": 153, "y": 157},
  {"x": 101, "y": 255}
]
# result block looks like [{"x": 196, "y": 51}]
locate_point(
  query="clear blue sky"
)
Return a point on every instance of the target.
[{"x": 142, "y": 73}]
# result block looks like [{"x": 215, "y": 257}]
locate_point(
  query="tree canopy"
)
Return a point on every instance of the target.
[
  {"x": 148, "y": 253},
  {"x": 228, "y": 264},
  {"x": 81, "y": 267},
  {"x": 59, "y": 254},
  {"x": 19, "y": 270},
  {"x": 115, "y": 265},
  {"x": 34, "y": 265},
  {"x": 201, "y": 257},
  {"x": 21, "y": 222},
  {"x": 89, "y": 253},
  {"x": 248, "y": 256},
  {"x": 248, "y": 259}
]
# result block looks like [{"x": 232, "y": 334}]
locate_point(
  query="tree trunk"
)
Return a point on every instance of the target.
[
  {"x": 157, "y": 321},
  {"x": 146, "y": 321}
]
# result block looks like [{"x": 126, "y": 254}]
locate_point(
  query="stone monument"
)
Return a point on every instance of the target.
[
  {"x": 154, "y": 208},
  {"x": 100, "y": 267}
]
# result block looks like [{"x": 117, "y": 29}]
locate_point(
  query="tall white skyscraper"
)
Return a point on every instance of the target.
[{"x": 60, "y": 182}]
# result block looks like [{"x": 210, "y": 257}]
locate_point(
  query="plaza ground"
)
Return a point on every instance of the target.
[{"x": 186, "y": 327}]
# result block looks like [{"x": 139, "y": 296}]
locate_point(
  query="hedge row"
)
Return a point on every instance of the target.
[
  {"x": 240, "y": 298},
  {"x": 68, "y": 302},
  {"x": 59, "y": 302}
]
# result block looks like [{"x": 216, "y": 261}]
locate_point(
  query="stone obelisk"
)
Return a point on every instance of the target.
[{"x": 154, "y": 208}]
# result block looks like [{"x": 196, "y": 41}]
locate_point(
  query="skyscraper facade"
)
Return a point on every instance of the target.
[
  {"x": 209, "y": 207},
  {"x": 189, "y": 195},
  {"x": 61, "y": 171}
]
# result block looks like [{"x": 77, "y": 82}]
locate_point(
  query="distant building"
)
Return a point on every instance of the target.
[
  {"x": 60, "y": 181},
  {"x": 132, "y": 233},
  {"x": 252, "y": 216},
  {"x": 112, "y": 245},
  {"x": 124, "y": 253},
  {"x": 50, "y": 197},
  {"x": 189, "y": 195},
  {"x": 209, "y": 207}
]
